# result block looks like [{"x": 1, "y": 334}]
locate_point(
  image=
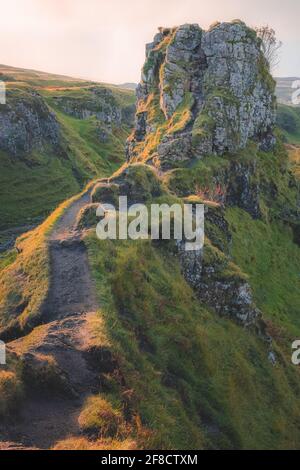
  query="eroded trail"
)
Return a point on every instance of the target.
[{"x": 48, "y": 416}]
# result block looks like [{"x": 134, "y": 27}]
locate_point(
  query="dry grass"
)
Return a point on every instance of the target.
[{"x": 10, "y": 391}]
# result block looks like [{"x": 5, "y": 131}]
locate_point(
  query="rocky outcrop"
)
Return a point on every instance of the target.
[
  {"x": 26, "y": 123},
  {"x": 99, "y": 102},
  {"x": 202, "y": 93},
  {"x": 217, "y": 281},
  {"x": 139, "y": 183}
]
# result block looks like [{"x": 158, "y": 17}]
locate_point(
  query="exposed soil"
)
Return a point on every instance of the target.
[{"x": 48, "y": 416}]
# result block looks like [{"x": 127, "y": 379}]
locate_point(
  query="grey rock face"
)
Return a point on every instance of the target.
[
  {"x": 220, "y": 77},
  {"x": 26, "y": 123}
]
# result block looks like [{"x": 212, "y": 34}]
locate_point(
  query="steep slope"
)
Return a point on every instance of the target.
[
  {"x": 57, "y": 355},
  {"x": 56, "y": 133},
  {"x": 284, "y": 89},
  {"x": 288, "y": 119}
]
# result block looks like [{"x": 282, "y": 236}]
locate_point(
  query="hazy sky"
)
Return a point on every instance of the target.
[{"x": 104, "y": 39}]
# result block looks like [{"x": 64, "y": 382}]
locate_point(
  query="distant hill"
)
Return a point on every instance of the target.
[
  {"x": 128, "y": 86},
  {"x": 284, "y": 89}
]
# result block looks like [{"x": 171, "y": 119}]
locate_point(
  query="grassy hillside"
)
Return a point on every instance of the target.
[{"x": 32, "y": 183}]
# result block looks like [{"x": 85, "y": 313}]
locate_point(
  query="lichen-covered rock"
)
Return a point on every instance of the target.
[
  {"x": 138, "y": 182},
  {"x": 231, "y": 94},
  {"x": 243, "y": 189},
  {"x": 26, "y": 123}
]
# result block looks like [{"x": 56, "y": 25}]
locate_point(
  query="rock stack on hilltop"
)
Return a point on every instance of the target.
[{"x": 202, "y": 93}]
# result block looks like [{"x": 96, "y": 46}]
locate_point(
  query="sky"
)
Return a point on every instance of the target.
[{"x": 104, "y": 40}]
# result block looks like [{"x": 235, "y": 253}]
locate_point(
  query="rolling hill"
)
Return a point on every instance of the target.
[{"x": 56, "y": 133}]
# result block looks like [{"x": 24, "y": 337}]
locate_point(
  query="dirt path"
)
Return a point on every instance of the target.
[{"x": 46, "y": 418}]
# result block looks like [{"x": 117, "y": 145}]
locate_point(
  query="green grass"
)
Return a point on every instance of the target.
[
  {"x": 7, "y": 258},
  {"x": 185, "y": 181},
  {"x": 10, "y": 392},
  {"x": 32, "y": 185},
  {"x": 288, "y": 119},
  {"x": 196, "y": 380},
  {"x": 266, "y": 252},
  {"x": 28, "y": 193}
]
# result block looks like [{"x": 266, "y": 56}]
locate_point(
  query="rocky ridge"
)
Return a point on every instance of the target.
[{"x": 202, "y": 93}]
